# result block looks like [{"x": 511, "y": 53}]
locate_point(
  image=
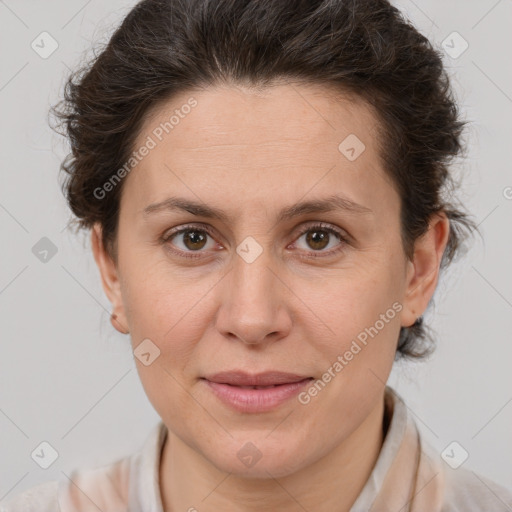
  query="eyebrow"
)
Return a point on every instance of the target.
[{"x": 331, "y": 203}]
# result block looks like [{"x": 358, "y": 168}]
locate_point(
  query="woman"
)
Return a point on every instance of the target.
[{"x": 264, "y": 183}]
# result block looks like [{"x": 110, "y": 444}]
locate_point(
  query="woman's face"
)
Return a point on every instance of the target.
[{"x": 261, "y": 287}]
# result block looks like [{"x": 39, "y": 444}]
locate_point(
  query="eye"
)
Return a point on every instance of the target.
[
  {"x": 320, "y": 236},
  {"x": 189, "y": 240}
]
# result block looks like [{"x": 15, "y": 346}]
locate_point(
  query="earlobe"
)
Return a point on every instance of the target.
[
  {"x": 423, "y": 271},
  {"x": 118, "y": 325},
  {"x": 109, "y": 279}
]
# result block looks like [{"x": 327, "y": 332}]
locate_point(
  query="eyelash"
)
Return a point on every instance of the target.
[{"x": 206, "y": 229}]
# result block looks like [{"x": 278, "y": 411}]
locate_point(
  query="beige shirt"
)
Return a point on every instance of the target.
[{"x": 409, "y": 476}]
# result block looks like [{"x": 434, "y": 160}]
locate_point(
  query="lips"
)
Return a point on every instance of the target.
[
  {"x": 263, "y": 380},
  {"x": 257, "y": 393}
]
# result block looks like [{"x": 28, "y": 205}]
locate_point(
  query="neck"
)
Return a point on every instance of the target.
[{"x": 189, "y": 482}]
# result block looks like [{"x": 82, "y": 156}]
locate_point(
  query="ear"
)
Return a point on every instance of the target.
[
  {"x": 423, "y": 270},
  {"x": 109, "y": 280}
]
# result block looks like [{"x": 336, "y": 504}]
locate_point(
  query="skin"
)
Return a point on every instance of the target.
[{"x": 251, "y": 154}]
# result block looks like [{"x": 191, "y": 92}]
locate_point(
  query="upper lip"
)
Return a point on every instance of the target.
[{"x": 240, "y": 378}]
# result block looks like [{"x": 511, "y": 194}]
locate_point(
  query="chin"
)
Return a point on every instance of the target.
[{"x": 259, "y": 460}]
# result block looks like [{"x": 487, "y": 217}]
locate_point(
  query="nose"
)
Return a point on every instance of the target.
[{"x": 252, "y": 303}]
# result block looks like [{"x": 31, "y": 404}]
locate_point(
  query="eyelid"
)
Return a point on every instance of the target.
[
  {"x": 186, "y": 227},
  {"x": 325, "y": 226}
]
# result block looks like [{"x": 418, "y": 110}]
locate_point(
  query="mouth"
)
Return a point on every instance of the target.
[
  {"x": 256, "y": 387},
  {"x": 255, "y": 393},
  {"x": 259, "y": 380}
]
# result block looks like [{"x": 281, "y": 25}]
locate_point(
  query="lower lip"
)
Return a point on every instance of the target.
[{"x": 256, "y": 400}]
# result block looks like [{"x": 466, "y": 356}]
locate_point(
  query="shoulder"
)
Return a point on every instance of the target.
[
  {"x": 467, "y": 490},
  {"x": 437, "y": 484},
  {"x": 102, "y": 488},
  {"x": 114, "y": 487},
  {"x": 41, "y": 498}
]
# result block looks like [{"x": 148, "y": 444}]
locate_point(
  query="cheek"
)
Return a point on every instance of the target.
[
  {"x": 358, "y": 352},
  {"x": 361, "y": 313},
  {"x": 168, "y": 308},
  {"x": 169, "y": 313},
  {"x": 354, "y": 298}
]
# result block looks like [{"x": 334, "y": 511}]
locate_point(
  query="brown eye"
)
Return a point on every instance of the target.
[
  {"x": 320, "y": 237},
  {"x": 189, "y": 240},
  {"x": 317, "y": 239},
  {"x": 194, "y": 239}
]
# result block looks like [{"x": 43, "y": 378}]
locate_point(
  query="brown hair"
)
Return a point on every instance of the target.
[{"x": 364, "y": 47}]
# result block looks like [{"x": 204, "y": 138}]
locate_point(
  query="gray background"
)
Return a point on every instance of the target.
[{"x": 68, "y": 378}]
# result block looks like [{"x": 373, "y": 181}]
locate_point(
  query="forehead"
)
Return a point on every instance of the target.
[
  {"x": 312, "y": 114},
  {"x": 280, "y": 141}
]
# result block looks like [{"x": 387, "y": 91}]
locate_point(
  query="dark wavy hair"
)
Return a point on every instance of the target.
[{"x": 361, "y": 47}]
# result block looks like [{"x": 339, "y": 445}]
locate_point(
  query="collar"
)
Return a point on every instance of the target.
[
  {"x": 407, "y": 476},
  {"x": 145, "y": 494}
]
